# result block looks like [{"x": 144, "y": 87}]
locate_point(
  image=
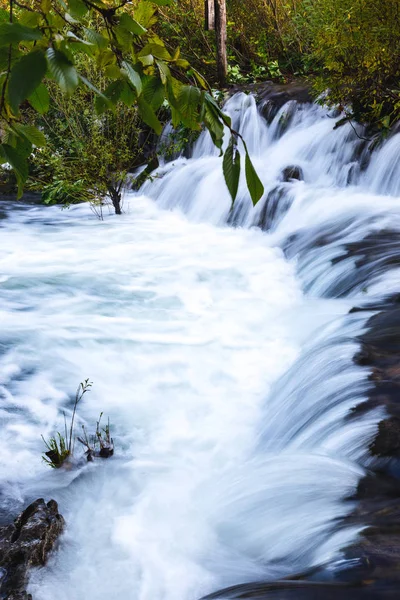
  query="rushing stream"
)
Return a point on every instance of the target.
[{"x": 223, "y": 356}]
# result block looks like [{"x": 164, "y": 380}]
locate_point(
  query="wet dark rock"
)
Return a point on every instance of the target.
[
  {"x": 387, "y": 442},
  {"x": 276, "y": 205},
  {"x": 271, "y": 97},
  {"x": 292, "y": 172},
  {"x": 368, "y": 258},
  {"x": 26, "y": 543}
]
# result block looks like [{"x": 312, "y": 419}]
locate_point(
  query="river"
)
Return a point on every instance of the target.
[{"x": 221, "y": 351}]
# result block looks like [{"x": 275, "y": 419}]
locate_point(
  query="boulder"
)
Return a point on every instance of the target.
[
  {"x": 26, "y": 543},
  {"x": 292, "y": 172}
]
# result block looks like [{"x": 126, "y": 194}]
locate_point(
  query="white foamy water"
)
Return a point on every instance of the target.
[{"x": 224, "y": 365}]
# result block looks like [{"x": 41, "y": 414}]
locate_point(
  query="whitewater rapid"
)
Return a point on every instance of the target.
[{"x": 222, "y": 355}]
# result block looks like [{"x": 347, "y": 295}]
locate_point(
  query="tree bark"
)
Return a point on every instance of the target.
[
  {"x": 115, "y": 196},
  {"x": 210, "y": 15},
  {"x": 221, "y": 38}
]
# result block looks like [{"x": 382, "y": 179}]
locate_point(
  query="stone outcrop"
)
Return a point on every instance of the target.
[{"x": 26, "y": 543}]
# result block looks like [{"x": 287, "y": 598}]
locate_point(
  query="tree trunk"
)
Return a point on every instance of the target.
[
  {"x": 210, "y": 15},
  {"x": 221, "y": 37},
  {"x": 115, "y": 196}
]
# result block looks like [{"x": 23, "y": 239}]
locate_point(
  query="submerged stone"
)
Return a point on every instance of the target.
[{"x": 292, "y": 172}]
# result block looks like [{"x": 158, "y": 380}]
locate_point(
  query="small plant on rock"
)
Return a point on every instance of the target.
[
  {"x": 59, "y": 447},
  {"x": 100, "y": 444}
]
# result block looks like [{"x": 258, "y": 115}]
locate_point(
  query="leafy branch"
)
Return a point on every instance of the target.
[{"x": 45, "y": 41}]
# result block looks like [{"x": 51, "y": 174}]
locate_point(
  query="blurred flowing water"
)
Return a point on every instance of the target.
[{"x": 222, "y": 354}]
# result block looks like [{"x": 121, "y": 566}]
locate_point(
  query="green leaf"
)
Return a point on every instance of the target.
[
  {"x": 164, "y": 71},
  {"x": 231, "y": 168},
  {"x": 156, "y": 50},
  {"x": 200, "y": 79},
  {"x": 133, "y": 77},
  {"x": 114, "y": 90},
  {"x": 128, "y": 96},
  {"x": 32, "y": 134},
  {"x": 23, "y": 147},
  {"x": 148, "y": 115},
  {"x": 29, "y": 19},
  {"x": 112, "y": 71},
  {"x": 254, "y": 184},
  {"x": 18, "y": 163},
  {"x": 62, "y": 70},
  {"x": 15, "y": 55},
  {"x": 163, "y": 2},
  {"x": 153, "y": 91},
  {"x": 173, "y": 91},
  {"x": 13, "y": 33},
  {"x": 77, "y": 8},
  {"x": 40, "y": 99},
  {"x": 188, "y": 105},
  {"x": 212, "y": 120},
  {"x": 25, "y": 77},
  {"x": 95, "y": 38},
  {"x": 131, "y": 25},
  {"x": 146, "y": 60},
  {"x": 144, "y": 14}
]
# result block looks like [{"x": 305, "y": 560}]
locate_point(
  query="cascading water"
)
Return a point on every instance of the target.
[{"x": 223, "y": 356}]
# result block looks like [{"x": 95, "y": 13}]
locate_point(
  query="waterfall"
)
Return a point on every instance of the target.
[{"x": 221, "y": 346}]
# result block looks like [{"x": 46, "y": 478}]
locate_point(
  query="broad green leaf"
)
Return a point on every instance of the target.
[
  {"x": 146, "y": 60},
  {"x": 174, "y": 87},
  {"x": 153, "y": 91},
  {"x": 95, "y": 38},
  {"x": 62, "y": 70},
  {"x": 23, "y": 146},
  {"x": 40, "y": 99},
  {"x": 124, "y": 37},
  {"x": 112, "y": 71},
  {"x": 133, "y": 77},
  {"x": 188, "y": 106},
  {"x": 212, "y": 120},
  {"x": 12, "y": 33},
  {"x": 148, "y": 115},
  {"x": 32, "y": 134},
  {"x": 163, "y": 2},
  {"x": 102, "y": 104},
  {"x": 45, "y": 5},
  {"x": 128, "y": 96},
  {"x": 77, "y": 8},
  {"x": 15, "y": 55},
  {"x": 4, "y": 15},
  {"x": 182, "y": 63},
  {"x": 114, "y": 90},
  {"x": 156, "y": 50},
  {"x": 254, "y": 184},
  {"x": 131, "y": 25},
  {"x": 18, "y": 163},
  {"x": 164, "y": 71},
  {"x": 29, "y": 19},
  {"x": 25, "y": 77},
  {"x": 70, "y": 19},
  {"x": 231, "y": 168},
  {"x": 175, "y": 116},
  {"x": 199, "y": 78},
  {"x": 144, "y": 14},
  {"x": 10, "y": 137}
]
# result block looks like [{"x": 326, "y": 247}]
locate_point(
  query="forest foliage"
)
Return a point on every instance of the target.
[
  {"x": 52, "y": 42},
  {"x": 87, "y": 85},
  {"x": 349, "y": 47}
]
